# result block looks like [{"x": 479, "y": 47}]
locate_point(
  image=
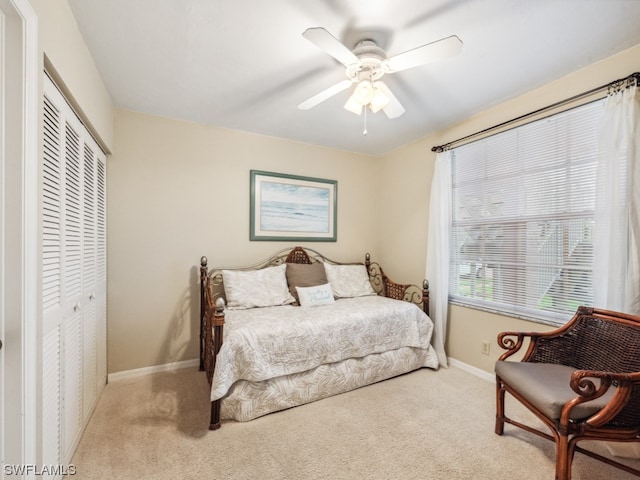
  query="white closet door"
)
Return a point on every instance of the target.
[
  {"x": 101, "y": 270},
  {"x": 51, "y": 284},
  {"x": 89, "y": 274},
  {"x": 72, "y": 286},
  {"x": 74, "y": 277}
]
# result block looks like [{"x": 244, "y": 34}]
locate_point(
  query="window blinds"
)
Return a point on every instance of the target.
[{"x": 522, "y": 217}]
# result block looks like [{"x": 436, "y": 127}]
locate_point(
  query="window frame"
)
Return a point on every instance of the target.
[{"x": 521, "y": 222}]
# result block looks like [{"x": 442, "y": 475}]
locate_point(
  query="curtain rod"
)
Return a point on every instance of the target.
[{"x": 615, "y": 85}]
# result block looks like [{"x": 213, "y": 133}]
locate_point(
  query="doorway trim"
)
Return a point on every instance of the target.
[{"x": 19, "y": 84}]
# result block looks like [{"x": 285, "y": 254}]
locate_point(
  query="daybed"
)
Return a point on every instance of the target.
[{"x": 299, "y": 327}]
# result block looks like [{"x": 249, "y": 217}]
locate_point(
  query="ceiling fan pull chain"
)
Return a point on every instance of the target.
[{"x": 365, "y": 120}]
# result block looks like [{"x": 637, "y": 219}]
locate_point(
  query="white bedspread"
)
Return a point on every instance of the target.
[{"x": 265, "y": 343}]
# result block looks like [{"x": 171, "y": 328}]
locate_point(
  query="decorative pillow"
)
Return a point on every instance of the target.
[
  {"x": 305, "y": 275},
  {"x": 314, "y": 296},
  {"x": 349, "y": 280},
  {"x": 266, "y": 287}
]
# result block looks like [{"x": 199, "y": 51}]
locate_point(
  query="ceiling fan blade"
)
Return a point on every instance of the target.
[
  {"x": 393, "y": 109},
  {"x": 330, "y": 44},
  {"x": 325, "y": 94},
  {"x": 431, "y": 52}
]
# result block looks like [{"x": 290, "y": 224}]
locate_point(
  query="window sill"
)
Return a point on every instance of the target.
[{"x": 520, "y": 316}]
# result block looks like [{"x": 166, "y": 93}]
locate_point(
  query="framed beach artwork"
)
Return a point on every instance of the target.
[{"x": 289, "y": 207}]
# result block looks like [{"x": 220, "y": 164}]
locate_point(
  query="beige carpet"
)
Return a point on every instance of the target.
[{"x": 423, "y": 425}]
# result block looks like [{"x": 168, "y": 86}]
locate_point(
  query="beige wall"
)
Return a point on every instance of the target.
[
  {"x": 180, "y": 190},
  {"x": 72, "y": 66},
  {"x": 468, "y": 327},
  {"x": 404, "y": 214}
]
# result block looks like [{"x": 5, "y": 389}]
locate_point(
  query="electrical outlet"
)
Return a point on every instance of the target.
[{"x": 485, "y": 347}]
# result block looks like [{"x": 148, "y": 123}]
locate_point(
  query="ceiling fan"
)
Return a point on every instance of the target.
[{"x": 367, "y": 63}]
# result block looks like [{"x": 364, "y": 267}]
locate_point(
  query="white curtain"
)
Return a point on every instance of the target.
[
  {"x": 616, "y": 271},
  {"x": 438, "y": 251}
]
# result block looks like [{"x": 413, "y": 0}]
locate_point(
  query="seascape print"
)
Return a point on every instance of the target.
[{"x": 294, "y": 208}]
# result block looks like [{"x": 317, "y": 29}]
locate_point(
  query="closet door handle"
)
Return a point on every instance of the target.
[
  {"x": 92, "y": 296},
  {"x": 76, "y": 307}
]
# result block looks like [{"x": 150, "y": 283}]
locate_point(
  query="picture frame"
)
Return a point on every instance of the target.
[{"x": 292, "y": 208}]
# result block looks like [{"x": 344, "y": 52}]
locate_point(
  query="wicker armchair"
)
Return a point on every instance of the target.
[{"x": 582, "y": 380}]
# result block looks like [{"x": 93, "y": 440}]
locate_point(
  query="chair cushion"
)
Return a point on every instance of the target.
[{"x": 546, "y": 386}]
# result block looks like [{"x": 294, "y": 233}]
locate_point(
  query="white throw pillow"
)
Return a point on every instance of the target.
[
  {"x": 315, "y": 296},
  {"x": 266, "y": 287},
  {"x": 349, "y": 280}
]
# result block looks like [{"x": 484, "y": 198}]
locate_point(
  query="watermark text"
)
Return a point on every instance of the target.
[{"x": 20, "y": 470}]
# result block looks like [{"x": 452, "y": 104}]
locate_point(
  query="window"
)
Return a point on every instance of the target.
[{"x": 522, "y": 217}]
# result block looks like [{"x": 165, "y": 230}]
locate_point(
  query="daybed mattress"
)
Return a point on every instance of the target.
[{"x": 277, "y": 357}]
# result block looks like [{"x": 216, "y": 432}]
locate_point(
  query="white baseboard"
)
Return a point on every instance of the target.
[
  {"x": 141, "y": 372},
  {"x": 472, "y": 370}
]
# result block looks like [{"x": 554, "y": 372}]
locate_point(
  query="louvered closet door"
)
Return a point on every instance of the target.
[
  {"x": 52, "y": 284},
  {"x": 93, "y": 275},
  {"x": 89, "y": 310},
  {"x": 74, "y": 279},
  {"x": 72, "y": 286},
  {"x": 101, "y": 269}
]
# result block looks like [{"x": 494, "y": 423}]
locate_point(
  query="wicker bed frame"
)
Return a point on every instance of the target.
[{"x": 212, "y": 302}]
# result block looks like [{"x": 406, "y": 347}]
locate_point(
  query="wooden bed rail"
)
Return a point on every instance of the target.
[{"x": 212, "y": 303}]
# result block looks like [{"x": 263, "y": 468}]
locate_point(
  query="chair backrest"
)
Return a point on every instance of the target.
[{"x": 598, "y": 340}]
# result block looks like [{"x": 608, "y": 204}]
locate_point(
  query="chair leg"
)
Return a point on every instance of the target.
[
  {"x": 500, "y": 391},
  {"x": 564, "y": 457}
]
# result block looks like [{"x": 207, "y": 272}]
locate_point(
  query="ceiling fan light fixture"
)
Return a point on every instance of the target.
[
  {"x": 363, "y": 92},
  {"x": 366, "y": 95},
  {"x": 379, "y": 100},
  {"x": 353, "y": 106}
]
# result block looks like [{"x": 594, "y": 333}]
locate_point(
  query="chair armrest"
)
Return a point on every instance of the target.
[
  {"x": 585, "y": 384},
  {"x": 513, "y": 341}
]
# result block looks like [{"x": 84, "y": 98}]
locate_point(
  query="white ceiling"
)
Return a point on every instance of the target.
[{"x": 243, "y": 64}]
